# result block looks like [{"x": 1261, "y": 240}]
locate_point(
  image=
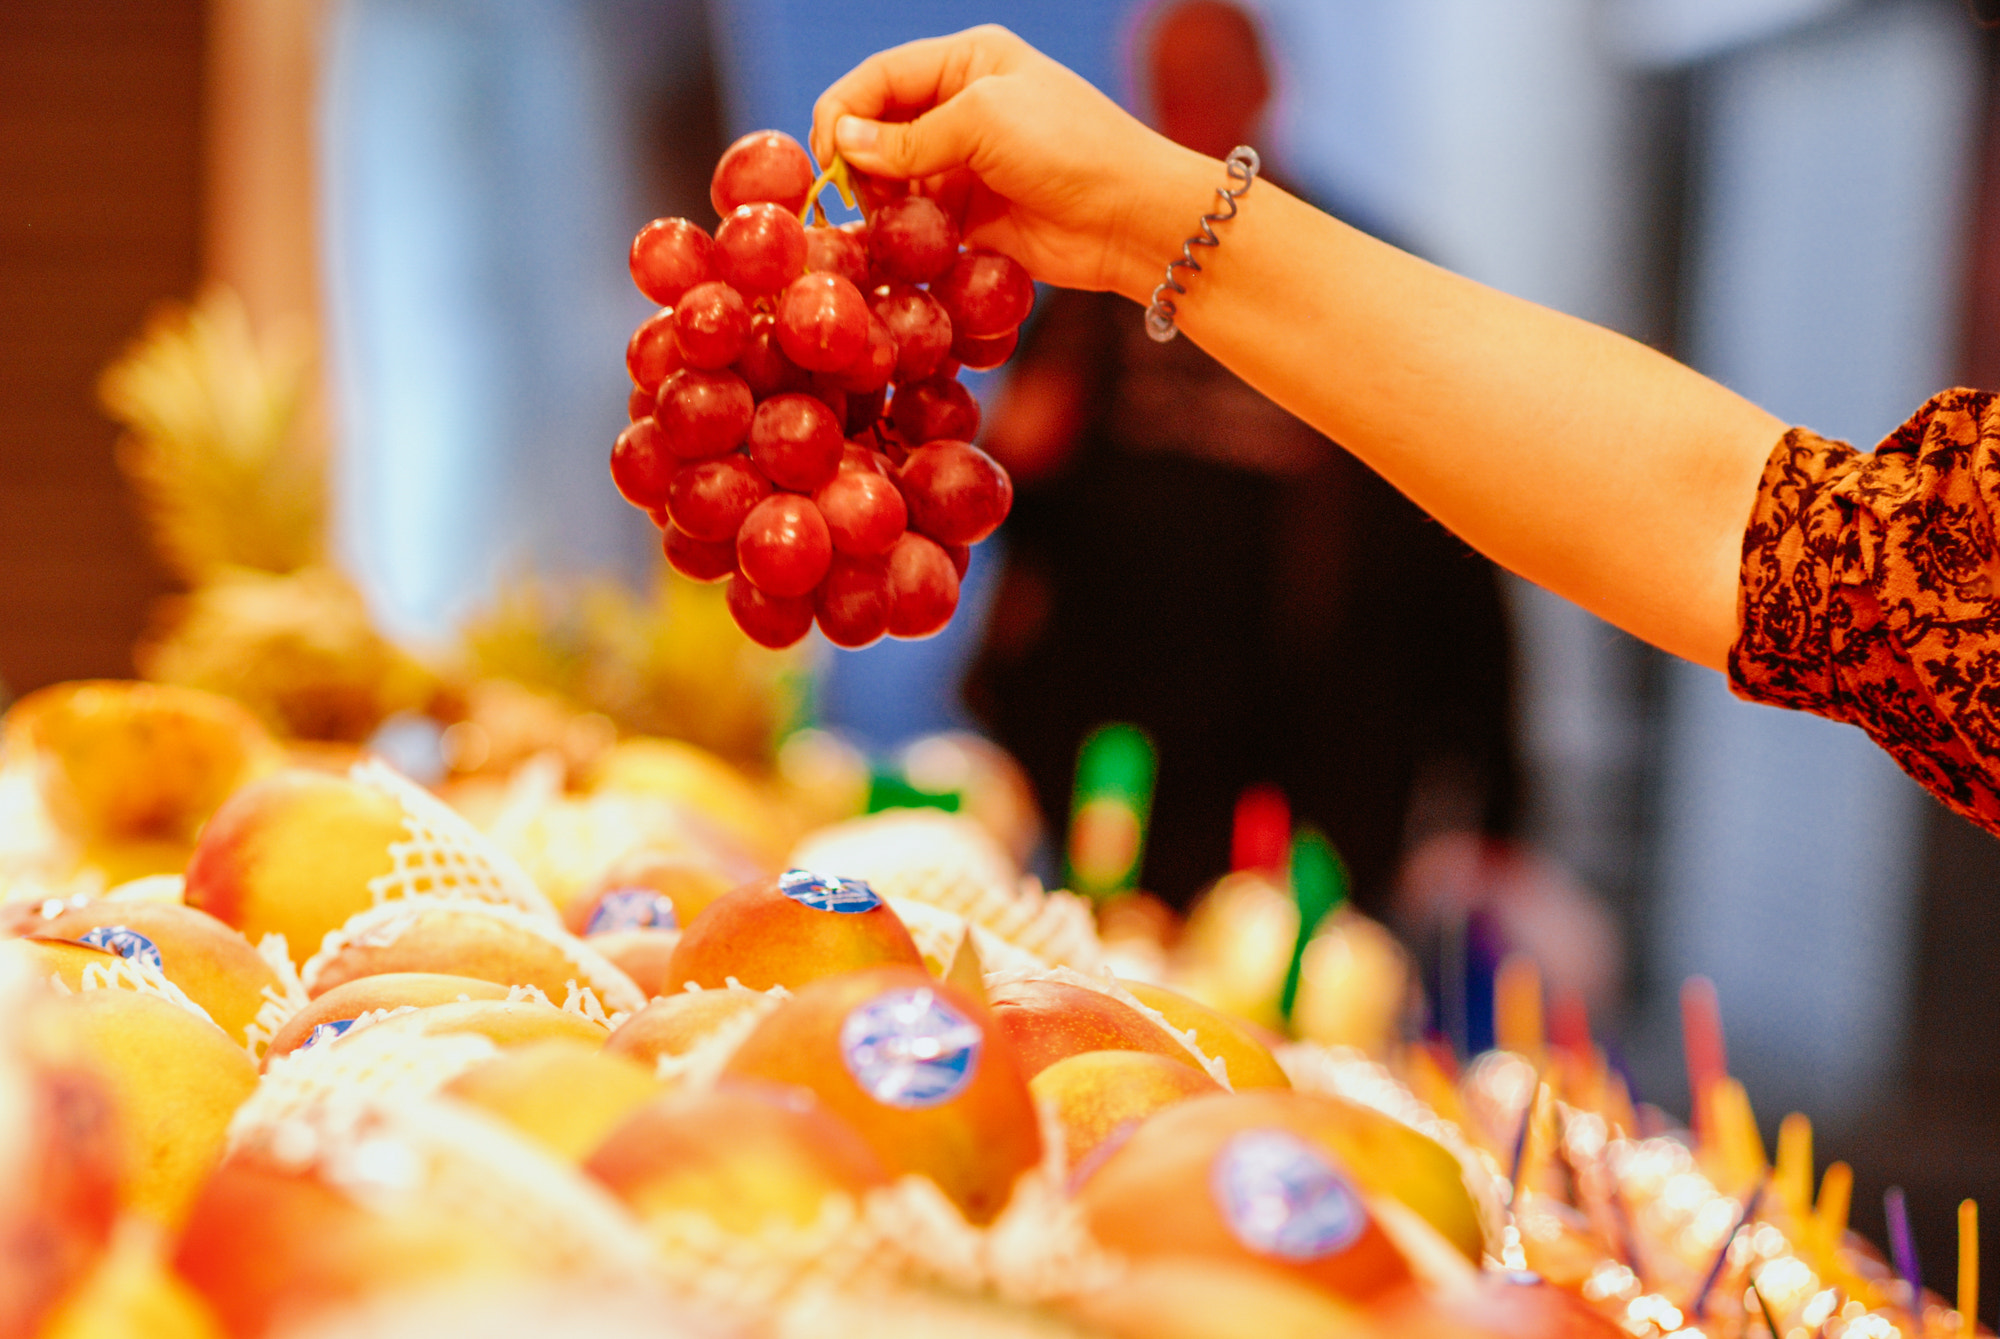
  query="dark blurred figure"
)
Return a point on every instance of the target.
[{"x": 1186, "y": 555}]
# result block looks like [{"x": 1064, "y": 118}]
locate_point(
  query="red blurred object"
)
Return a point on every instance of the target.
[
  {"x": 1701, "y": 1039},
  {"x": 1262, "y": 838}
]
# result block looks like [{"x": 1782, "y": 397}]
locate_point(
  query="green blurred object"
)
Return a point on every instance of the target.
[
  {"x": 1320, "y": 886},
  {"x": 888, "y": 790},
  {"x": 1111, "y": 808}
]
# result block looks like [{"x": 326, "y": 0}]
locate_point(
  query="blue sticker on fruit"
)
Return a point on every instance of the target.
[
  {"x": 910, "y": 1049},
  {"x": 326, "y": 1032},
  {"x": 128, "y": 944},
  {"x": 1282, "y": 1197},
  {"x": 632, "y": 909},
  {"x": 823, "y": 892}
]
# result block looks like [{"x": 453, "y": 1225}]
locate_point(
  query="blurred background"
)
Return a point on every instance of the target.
[{"x": 1799, "y": 197}]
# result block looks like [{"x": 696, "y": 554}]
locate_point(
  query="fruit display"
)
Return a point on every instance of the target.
[
  {"x": 798, "y": 429},
  {"x": 355, "y": 1069}
]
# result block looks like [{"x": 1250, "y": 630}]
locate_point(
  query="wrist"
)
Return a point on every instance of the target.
[{"x": 1162, "y": 216}]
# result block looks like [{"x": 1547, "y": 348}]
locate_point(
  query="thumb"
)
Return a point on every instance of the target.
[{"x": 938, "y": 141}]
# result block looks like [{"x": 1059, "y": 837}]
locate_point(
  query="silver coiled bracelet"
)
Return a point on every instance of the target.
[{"x": 1243, "y": 165}]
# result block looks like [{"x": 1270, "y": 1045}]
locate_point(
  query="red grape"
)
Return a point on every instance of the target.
[
  {"x": 670, "y": 256},
  {"x": 769, "y": 620},
  {"x": 919, "y": 326},
  {"x": 822, "y": 322},
  {"x": 639, "y": 404},
  {"x": 923, "y": 587},
  {"x": 877, "y": 363},
  {"x": 765, "y": 165},
  {"x": 830, "y": 395},
  {"x": 957, "y": 494},
  {"x": 864, "y": 509},
  {"x": 863, "y": 410},
  {"x": 709, "y": 498},
  {"x": 961, "y": 558},
  {"x": 764, "y": 365},
  {"x": 912, "y": 241},
  {"x": 783, "y": 547},
  {"x": 759, "y": 249},
  {"x": 697, "y": 558},
  {"x": 704, "y": 413},
  {"x": 642, "y": 465},
  {"x": 853, "y": 601},
  {"x": 837, "y": 251},
  {"x": 924, "y": 411},
  {"x": 651, "y": 352},
  {"x": 712, "y": 325},
  {"x": 863, "y": 457},
  {"x": 795, "y": 440},
  {"x": 983, "y": 355},
  {"x": 986, "y": 293}
]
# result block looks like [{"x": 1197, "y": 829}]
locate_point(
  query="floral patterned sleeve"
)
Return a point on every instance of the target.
[{"x": 1869, "y": 593}]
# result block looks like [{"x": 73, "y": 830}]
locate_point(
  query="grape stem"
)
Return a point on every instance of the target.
[{"x": 840, "y": 177}]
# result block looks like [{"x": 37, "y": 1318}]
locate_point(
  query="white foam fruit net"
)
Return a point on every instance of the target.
[
  {"x": 394, "y": 1153},
  {"x": 444, "y": 855},
  {"x": 928, "y": 856}
]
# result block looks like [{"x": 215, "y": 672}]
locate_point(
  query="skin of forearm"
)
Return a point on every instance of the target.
[{"x": 1579, "y": 459}]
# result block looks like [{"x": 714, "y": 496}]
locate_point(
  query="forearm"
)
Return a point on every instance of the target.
[{"x": 1573, "y": 456}]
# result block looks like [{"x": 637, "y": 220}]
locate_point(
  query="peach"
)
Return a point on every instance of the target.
[
  {"x": 1048, "y": 1020},
  {"x": 565, "y": 1095},
  {"x": 59, "y": 1154},
  {"x": 749, "y": 1156},
  {"x": 120, "y": 762},
  {"x": 293, "y": 855},
  {"x": 175, "y": 1080},
  {"x": 133, "y": 1292},
  {"x": 692, "y": 776},
  {"x": 1387, "y": 1156},
  {"x": 676, "y": 1024},
  {"x": 1096, "y": 1093},
  {"x": 466, "y": 938},
  {"x": 263, "y": 1244},
  {"x": 786, "y": 931},
  {"x": 643, "y": 955},
  {"x": 502, "y": 1022},
  {"x": 1230, "y": 1040},
  {"x": 1193, "y": 1298},
  {"x": 61, "y": 959},
  {"x": 211, "y": 963},
  {"x": 1499, "y": 1307},
  {"x": 1220, "y": 1178},
  {"x": 917, "y": 1068},
  {"x": 685, "y": 883},
  {"x": 387, "y": 990}
]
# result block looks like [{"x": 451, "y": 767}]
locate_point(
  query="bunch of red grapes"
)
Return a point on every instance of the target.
[{"x": 798, "y": 427}]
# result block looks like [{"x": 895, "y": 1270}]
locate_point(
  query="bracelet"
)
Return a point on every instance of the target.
[{"x": 1243, "y": 165}]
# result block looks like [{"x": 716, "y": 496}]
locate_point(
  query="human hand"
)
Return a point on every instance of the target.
[{"x": 1031, "y": 160}]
